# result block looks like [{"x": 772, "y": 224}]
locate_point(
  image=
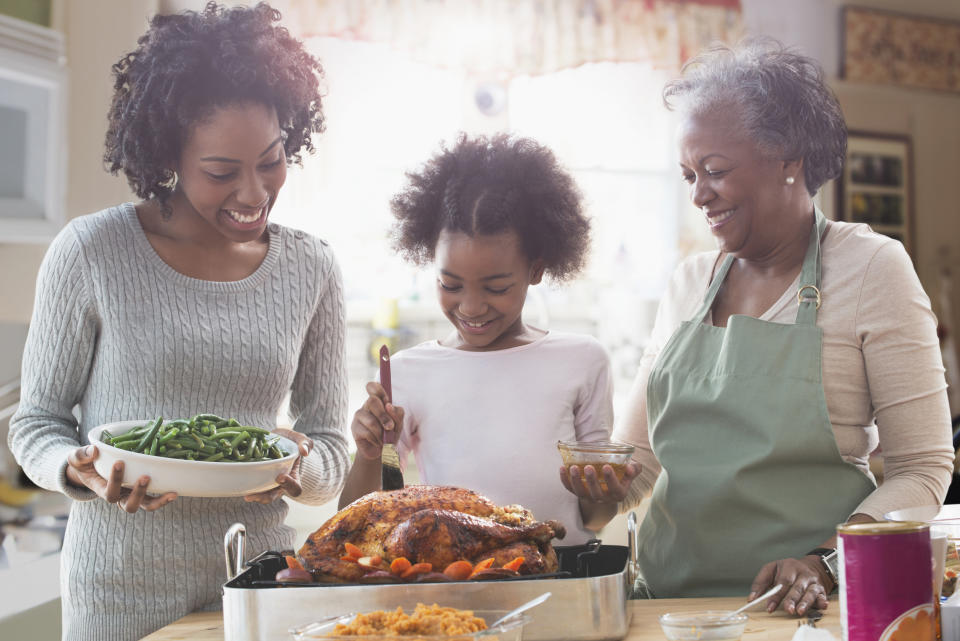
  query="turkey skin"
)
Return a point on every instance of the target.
[{"x": 429, "y": 524}]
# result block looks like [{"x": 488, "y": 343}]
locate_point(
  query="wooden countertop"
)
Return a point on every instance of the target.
[{"x": 208, "y": 626}]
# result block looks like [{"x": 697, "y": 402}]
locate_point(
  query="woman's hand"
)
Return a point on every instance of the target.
[
  {"x": 372, "y": 419},
  {"x": 805, "y": 584},
  {"x": 288, "y": 482},
  {"x": 80, "y": 472},
  {"x": 587, "y": 486}
]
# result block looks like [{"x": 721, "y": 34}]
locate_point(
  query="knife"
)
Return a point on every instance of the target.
[{"x": 391, "y": 477}]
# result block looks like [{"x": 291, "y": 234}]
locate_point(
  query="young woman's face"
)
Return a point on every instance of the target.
[
  {"x": 739, "y": 190},
  {"x": 482, "y": 284},
  {"x": 231, "y": 169}
]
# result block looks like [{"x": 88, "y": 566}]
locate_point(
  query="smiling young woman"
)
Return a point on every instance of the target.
[{"x": 188, "y": 301}]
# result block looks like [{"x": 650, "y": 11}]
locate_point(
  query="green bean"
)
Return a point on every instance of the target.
[
  {"x": 254, "y": 430},
  {"x": 168, "y": 435},
  {"x": 150, "y": 435},
  {"x": 214, "y": 457},
  {"x": 207, "y": 417},
  {"x": 242, "y": 436}
]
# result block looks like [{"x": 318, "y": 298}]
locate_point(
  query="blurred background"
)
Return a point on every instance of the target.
[{"x": 581, "y": 76}]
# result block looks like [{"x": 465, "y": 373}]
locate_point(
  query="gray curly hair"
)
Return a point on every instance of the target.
[{"x": 784, "y": 105}]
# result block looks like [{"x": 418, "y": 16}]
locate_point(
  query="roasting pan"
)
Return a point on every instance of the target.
[{"x": 589, "y": 601}]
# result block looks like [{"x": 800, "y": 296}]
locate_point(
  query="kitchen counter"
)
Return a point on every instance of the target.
[{"x": 208, "y": 626}]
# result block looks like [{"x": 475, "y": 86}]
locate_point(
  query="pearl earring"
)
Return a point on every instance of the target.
[{"x": 790, "y": 180}]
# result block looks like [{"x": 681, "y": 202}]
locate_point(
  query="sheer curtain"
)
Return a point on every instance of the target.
[{"x": 389, "y": 104}]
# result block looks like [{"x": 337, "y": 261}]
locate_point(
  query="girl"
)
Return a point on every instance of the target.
[
  {"x": 186, "y": 302},
  {"x": 483, "y": 407}
]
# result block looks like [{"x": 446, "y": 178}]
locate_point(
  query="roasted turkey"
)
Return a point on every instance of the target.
[{"x": 429, "y": 524}]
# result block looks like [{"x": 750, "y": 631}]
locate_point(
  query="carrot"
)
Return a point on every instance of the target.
[
  {"x": 293, "y": 563},
  {"x": 515, "y": 564},
  {"x": 347, "y": 557},
  {"x": 352, "y": 550},
  {"x": 399, "y": 565},
  {"x": 415, "y": 569},
  {"x": 459, "y": 570},
  {"x": 482, "y": 565}
]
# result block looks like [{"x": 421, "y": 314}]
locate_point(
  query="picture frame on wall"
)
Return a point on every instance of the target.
[{"x": 876, "y": 186}]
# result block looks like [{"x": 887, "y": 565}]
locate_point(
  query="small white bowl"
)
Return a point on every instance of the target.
[{"x": 189, "y": 478}]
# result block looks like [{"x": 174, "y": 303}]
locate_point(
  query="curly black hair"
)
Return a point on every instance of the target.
[
  {"x": 783, "y": 102},
  {"x": 187, "y": 65},
  {"x": 490, "y": 185}
]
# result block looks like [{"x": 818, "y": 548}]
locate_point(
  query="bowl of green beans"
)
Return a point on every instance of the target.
[{"x": 205, "y": 455}]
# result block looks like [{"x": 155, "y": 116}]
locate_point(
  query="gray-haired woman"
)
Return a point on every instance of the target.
[{"x": 780, "y": 361}]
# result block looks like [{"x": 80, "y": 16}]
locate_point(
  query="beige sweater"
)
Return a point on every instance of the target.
[{"x": 882, "y": 368}]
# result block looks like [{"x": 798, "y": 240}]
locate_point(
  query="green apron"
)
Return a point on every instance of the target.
[{"x": 751, "y": 470}]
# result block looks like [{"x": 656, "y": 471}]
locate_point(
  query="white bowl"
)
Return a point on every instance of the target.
[
  {"x": 942, "y": 518},
  {"x": 189, "y": 478}
]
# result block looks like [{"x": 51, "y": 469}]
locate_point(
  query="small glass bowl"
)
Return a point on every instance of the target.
[
  {"x": 709, "y": 625},
  {"x": 597, "y": 454}
]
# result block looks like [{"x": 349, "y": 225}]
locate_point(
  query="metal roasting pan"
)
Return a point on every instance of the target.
[{"x": 588, "y": 604}]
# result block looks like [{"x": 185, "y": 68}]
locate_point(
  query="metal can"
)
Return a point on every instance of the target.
[{"x": 886, "y": 581}]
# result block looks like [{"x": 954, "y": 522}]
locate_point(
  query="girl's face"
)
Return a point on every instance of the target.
[
  {"x": 231, "y": 169},
  {"x": 740, "y": 191},
  {"x": 482, "y": 284}
]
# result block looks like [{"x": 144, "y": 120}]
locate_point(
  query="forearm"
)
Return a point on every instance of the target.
[
  {"x": 363, "y": 478},
  {"x": 596, "y": 515}
]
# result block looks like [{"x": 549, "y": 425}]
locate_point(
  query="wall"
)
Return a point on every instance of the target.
[
  {"x": 930, "y": 118},
  {"x": 97, "y": 34}
]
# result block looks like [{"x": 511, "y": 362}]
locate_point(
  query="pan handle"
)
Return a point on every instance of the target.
[
  {"x": 633, "y": 547},
  {"x": 233, "y": 549}
]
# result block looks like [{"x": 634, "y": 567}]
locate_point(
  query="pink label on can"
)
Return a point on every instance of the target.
[{"x": 886, "y": 586}]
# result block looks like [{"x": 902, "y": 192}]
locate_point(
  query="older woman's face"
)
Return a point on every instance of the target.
[{"x": 739, "y": 190}]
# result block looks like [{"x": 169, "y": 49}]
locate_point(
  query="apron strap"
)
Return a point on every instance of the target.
[{"x": 808, "y": 294}]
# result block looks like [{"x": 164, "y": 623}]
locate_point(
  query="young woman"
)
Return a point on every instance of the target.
[{"x": 187, "y": 301}]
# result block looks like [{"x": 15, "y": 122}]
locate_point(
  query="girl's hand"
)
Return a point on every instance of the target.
[
  {"x": 372, "y": 419},
  {"x": 288, "y": 482},
  {"x": 590, "y": 489},
  {"x": 80, "y": 472},
  {"x": 805, "y": 581}
]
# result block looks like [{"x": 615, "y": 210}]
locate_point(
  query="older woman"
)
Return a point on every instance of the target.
[{"x": 781, "y": 360}]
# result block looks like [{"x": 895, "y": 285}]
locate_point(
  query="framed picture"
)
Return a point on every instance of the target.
[
  {"x": 32, "y": 88},
  {"x": 876, "y": 187},
  {"x": 892, "y": 48}
]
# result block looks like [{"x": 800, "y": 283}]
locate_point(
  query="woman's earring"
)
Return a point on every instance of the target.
[
  {"x": 790, "y": 180},
  {"x": 171, "y": 182}
]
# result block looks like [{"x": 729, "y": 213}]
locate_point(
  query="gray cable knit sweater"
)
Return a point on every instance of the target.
[{"x": 120, "y": 334}]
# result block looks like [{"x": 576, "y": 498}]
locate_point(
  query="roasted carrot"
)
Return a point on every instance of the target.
[
  {"x": 352, "y": 550},
  {"x": 415, "y": 569},
  {"x": 459, "y": 570},
  {"x": 399, "y": 565},
  {"x": 347, "y": 557},
  {"x": 482, "y": 565},
  {"x": 293, "y": 563},
  {"x": 515, "y": 564}
]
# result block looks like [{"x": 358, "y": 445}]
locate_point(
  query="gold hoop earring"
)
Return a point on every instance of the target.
[
  {"x": 790, "y": 180},
  {"x": 171, "y": 182}
]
